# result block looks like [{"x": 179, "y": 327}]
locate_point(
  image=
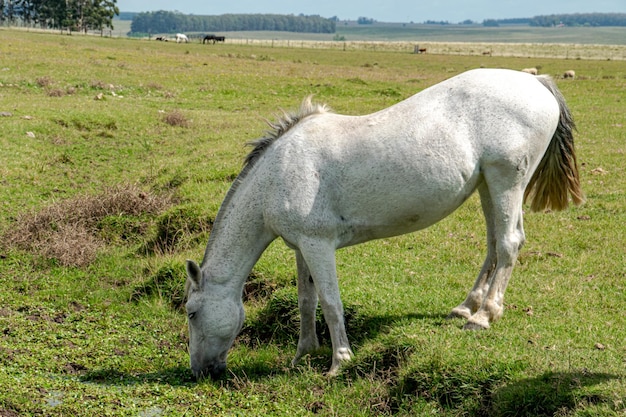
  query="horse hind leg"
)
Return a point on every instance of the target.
[
  {"x": 307, "y": 303},
  {"x": 506, "y": 211},
  {"x": 477, "y": 294}
]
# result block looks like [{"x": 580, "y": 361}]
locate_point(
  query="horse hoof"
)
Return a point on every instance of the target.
[
  {"x": 459, "y": 313},
  {"x": 474, "y": 326},
  {"x": 454, "y": 315}
]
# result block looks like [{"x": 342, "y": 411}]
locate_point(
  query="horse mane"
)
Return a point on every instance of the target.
[
  {"x": 277, "y": 129},
  {"x": 281, "y": 126}
]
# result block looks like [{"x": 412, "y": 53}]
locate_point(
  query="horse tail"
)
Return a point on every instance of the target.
[{"x": 556, "y": 177}]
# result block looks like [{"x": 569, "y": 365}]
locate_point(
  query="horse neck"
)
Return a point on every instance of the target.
[{"x": 238, "y": 237}]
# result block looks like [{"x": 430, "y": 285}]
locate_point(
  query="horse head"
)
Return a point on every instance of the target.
[{"x": 214, "y": 318}]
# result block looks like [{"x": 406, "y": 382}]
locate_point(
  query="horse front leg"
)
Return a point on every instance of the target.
[
  {"x": 475, "y": 297},
  {"x": 320, "y": 258},
  {"x": 307, "y": 303},
  {"x": 509, "y": 233}
]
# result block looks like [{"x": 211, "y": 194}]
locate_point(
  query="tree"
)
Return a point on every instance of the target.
[
  {"x": 99, "y": 15},
  {"x": 80, "y": 15},
  {"x": 365, "y": 21}
]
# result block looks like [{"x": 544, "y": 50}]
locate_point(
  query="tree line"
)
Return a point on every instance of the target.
[
  {"x": 171, "y": 22},
  {"x": 74, "y": 15},
  {"x": 576, "y": 19},
  {"x": 580, "y": 19}
]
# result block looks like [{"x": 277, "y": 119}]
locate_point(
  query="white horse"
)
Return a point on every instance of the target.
[
  {"x": 180, "y": 37},
  {"x": 322, "y": 181}
]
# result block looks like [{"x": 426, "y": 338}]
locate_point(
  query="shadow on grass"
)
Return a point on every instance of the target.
[
  {"x": 360, "y": 329},
  {"x": 279, "y": 322},
  {"x": 176, "y": 376},
  {"x": 181, "y": 376},
  {"x": 553, "y": 393},
  {"x": 493, "y": 391}
]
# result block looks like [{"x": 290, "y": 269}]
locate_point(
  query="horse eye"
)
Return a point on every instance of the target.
[{"x": 191, "y": 315}]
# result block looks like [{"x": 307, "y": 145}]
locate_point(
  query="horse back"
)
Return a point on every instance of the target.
[{"x": 408, "y": 166}]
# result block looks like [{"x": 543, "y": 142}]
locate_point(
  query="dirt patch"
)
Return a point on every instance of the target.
[
  {"x": 68, "y": 231},
  {"x": 8, "y": 413}
]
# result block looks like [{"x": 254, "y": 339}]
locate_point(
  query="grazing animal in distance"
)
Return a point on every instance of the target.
[
  {"x": 213, "y": 38},
  {"x": 532, "y": 71},
  {"x": 322, "y": 181},
  {"x": 180, "y": 37},
  {"x": 569, "y": 74}
]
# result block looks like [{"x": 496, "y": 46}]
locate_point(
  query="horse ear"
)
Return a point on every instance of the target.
[{"x": 194, "y": 274}]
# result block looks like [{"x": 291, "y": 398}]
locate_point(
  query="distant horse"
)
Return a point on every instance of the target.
[
  {"x": 322, "y": 181},
  {"x": 532, "y": 70},
  {"x": 180, "y": 37},
  {"x": 213, "y": 38},
  {"x": 569, "y": 74},
  {"x": 161, "y": 38}
]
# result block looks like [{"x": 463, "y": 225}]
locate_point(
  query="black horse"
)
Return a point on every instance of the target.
[{"x": 213, "y": 38}]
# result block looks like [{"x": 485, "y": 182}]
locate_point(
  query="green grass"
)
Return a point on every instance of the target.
[{"x": 107, "y": 337}]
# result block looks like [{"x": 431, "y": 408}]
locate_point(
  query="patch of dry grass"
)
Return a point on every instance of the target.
[
  {"x": 67, "y": 230},
  {"x": 176, "y": 118}
]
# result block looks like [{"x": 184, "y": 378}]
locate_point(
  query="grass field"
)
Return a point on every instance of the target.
[{"x": 116, "y": 154}]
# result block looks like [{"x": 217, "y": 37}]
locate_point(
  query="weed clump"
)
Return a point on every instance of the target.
[
  {"x": 44, "y": 81},
  {"x": 452, "y": 386},
  {"x": 178, "y": 228},
  {"x": 176, "y": 118},
  {"x": 56, "y": 92},
  {"x": 167, "y": 283},
  {"x": 69, "y": 231},
  {"x": 279, "y": 320}
]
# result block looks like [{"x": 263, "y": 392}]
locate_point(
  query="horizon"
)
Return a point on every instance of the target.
[{"x": 426, "y": 22}]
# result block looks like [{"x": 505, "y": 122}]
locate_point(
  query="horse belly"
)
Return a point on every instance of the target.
[
  {"x": 377, "y": 193},
  {"x": 374, "y": 179},
  {"x": 391, "y": 206}
]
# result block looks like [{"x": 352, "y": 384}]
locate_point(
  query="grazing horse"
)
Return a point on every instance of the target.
[
  {"x": 213, "y": 38},
  {"x": 180, "y": 37},
  {"x": 322, "y": 181},
  {"x": 532, "y": 70}
]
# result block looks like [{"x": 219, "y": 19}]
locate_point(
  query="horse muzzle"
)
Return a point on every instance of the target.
[{"x": 213, "y": 370}]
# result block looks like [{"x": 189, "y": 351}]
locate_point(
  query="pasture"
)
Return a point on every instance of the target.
[{"x": 115, "y": 156}]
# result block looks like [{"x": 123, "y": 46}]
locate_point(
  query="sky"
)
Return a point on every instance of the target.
[{"x": 418, "y": 11}]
